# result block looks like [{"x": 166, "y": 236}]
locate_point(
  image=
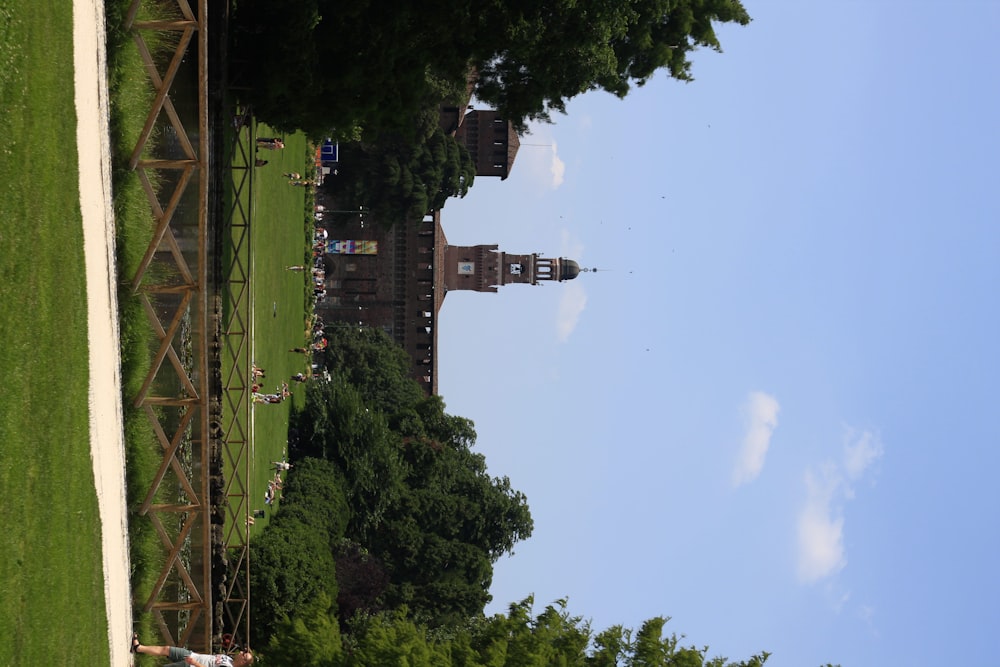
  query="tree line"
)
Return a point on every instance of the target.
[
  {"x": 387, "y": 505},
  {"x": 520, "y": 638},
  {"x": 399, "y": 179},
  {"x": 373, "y": 74},
  {"x": 382, "y": 549},
  {"x": 367, "y": 67}
]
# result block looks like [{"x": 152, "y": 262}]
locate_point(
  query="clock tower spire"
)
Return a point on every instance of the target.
[{"x": 485, "y": 268}]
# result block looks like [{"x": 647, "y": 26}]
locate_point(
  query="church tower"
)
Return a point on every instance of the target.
[
  {"x": 484, "y": 268},
  {"x": 396, "y": 279}
]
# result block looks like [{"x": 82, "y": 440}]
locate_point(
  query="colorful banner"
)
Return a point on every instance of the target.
[{"x": 342, "y": 247}]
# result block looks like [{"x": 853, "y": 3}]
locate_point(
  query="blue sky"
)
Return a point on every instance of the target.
[{"x": 771, "y": 413}]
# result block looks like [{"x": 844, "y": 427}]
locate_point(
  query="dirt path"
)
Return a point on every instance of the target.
[{"x": 106, "y": 436}]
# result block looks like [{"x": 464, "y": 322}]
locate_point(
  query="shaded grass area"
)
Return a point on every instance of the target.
[
  {"x": 51, "y": 575},
  {"x": 130, "y": 96}
]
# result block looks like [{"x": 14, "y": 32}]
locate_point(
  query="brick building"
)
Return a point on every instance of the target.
[
  {"x": 491, "y": 141},
  {"x": 397, "y": 279},
  {"x": 401, "y": 285}
]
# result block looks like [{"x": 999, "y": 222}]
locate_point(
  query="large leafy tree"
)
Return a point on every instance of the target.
[
  {"x": 400, "y": 179},
  {"x": 309, "y": 639},
  {"x": 378, "y": 368},
  {"x": 521, "y": 638},
  {"x": 326, "y": 66},
  {"x": 377, "y": 64},
  {"x": 452, "y": 522},
  {"x": 422, "y": 503},
  {"x": 337, "y": 425},
  {"x": 552, "y": 51},
  {"x": 293, "y": 565}
]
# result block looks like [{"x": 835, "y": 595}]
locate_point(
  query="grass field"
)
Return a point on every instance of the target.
[
  {"x": 51, "y": 578},
  {"x": 281, "y": 226},
  {"x": 281, "y": 233}
]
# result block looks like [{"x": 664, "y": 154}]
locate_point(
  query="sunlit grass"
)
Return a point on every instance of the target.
[
  {"x": 281, "y": 233},
  {"x": 51, "y": 575}
]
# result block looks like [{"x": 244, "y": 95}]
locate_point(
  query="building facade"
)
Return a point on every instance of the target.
[
  {"x": 400, "y": 288},
  {"x": 397, "y": 279}
]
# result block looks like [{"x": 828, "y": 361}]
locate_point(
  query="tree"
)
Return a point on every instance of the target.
[
  {"x": 554, "y": 51},
  {"x": 378, "y": 368},
  {"x": 337, "y": 425},
  {"x": 650, "y": 647},
  {"x": 553, "y": 637},
  {"x": 292, "y": 570},
  {"x": 332, "y": 67},
  {"x": 376, "y": 65},
  {"x": 393, "y": 639},
  {"x": 361, "y": 581},
  {"x": 310, "y": 639},
  {"x": 422, "y": 502},
  {"x": 401, "y": 179},
  {"x": 452, "y": 520}
]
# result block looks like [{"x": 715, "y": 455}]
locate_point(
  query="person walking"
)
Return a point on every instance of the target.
[{"x": 181, "y": 656}]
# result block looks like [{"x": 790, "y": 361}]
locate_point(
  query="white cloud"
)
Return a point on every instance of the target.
[
  {"x": 573, "y": 299},
  {"x": 860, "y": 451},
  {"x": 867, "y": 615},
  {"x": 571, "y": 305},
  {"x": 762, "y": 418},
  {"x": 539, "y": 158},
  {"x": 821, "y": 551},
  {"x": 820, "y": 531},
  {"x": 557, "y": 167}
]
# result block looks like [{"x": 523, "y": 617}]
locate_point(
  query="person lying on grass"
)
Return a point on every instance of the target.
[{"x": 181, "y": 656}]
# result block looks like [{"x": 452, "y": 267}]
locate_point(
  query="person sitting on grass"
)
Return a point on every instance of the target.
[{"x": 182, "y": 656}]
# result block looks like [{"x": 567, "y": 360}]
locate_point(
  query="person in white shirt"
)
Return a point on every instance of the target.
[{"x": 181, "y": 656}]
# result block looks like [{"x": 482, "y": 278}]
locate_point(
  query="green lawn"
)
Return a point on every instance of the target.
[
  {"x": 281, "y": 231},
  {"x": 51, "y": 578}
]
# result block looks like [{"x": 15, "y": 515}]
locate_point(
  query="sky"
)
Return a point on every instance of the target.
[{"x": 770, "y": 414}]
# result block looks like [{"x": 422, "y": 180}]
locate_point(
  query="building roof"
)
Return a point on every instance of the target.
[{"x": 568, "y": 269}]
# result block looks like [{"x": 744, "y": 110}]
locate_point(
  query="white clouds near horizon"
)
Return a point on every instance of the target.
[
  {"x": 573, "y": 299},
  {"x": 557, "y": 168},
  {"x": 761, "y": 412},
  {"x": 572, "y": 303},
  {"x": 860, "y": 452},
  {"x": 539, "y": 155},
  {"x": 820, "y": 526},
  {"x": 820, "y": 529}
]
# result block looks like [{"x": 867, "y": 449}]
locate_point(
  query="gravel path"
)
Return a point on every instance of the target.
[{"x": 106, "y": 436}]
